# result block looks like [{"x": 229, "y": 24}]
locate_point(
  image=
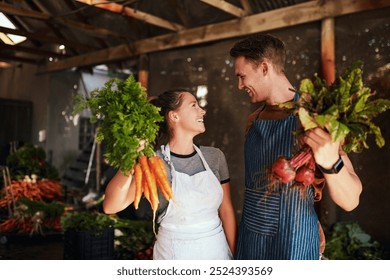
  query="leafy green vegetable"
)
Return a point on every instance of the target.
[
  {"x": 86, "y": 221},
  {"x": 28, "y": 160},
  {"x": 126, "y": 117},
  {"x": 348, "y": 241},
  {"x": 344, "y": 108}
]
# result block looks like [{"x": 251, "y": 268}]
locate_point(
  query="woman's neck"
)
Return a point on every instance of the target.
[{"x": 182, "y": 146}]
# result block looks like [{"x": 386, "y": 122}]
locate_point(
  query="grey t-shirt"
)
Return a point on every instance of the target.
[{"x": 192, "y": 164}]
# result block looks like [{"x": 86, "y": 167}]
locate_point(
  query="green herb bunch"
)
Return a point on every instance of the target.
[
  {"x": 125, "y": 118},
  {"x": 344, "y": 108}
]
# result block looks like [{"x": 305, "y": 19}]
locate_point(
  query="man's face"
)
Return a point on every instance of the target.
[{"x": 250, "y": 78}]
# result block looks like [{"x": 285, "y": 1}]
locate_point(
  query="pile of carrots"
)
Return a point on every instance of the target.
[
  {"x": 150, "y": 174},
  {"x": 41, "y": 190}
]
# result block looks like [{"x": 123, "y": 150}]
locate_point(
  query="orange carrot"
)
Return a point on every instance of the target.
[
  {"x": 161, "y": 177},
  {"x": 151, "y": 182},
  {"x": 138, "y": 184},
  {"x": 145, "y": 188},
  {"x": 162, "y": 165}
]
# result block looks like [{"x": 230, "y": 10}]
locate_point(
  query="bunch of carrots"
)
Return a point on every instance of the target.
[{"x": 150, "y": 175}]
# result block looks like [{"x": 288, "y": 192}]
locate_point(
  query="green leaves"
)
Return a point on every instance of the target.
[
  {"x": 125, "y": 117},
  {"x": 345, "y": 108}
]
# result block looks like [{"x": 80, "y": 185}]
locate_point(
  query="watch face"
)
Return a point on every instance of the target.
[{"x": 338, "y": 165}]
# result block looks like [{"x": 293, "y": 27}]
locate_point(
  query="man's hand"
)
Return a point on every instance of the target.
[{"x": 326, "y": 152}]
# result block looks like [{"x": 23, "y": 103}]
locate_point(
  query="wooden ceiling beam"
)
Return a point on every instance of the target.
[
  {"x": 49, "y": 39},
  {"x": 9, "y": 9},
  {"x": 29, "y": 50},
  {"x": 72, "y": 6},
  {"x": 7, "y": 57},
  {"x": 130, "y": 12},
  {"x": 280, "y": 18},
  {"x": 226, "y": 7},
  {"x": 247, "y": 6},
  {"x": 91, "y": 30}
]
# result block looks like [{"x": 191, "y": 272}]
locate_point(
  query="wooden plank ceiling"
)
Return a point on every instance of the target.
[{"x": 83, "y": 33}]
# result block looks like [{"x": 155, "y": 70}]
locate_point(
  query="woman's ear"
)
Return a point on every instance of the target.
[{"x": 173, "y": 117}]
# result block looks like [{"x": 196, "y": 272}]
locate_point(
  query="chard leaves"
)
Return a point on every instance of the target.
[{"x": 345, "y": 108}]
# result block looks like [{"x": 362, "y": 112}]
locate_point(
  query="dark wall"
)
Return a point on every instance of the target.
[
  {"x": 359, "y": 36},
  {"x": 365, "y": 36},
  {"x": 16, "y": 118}
]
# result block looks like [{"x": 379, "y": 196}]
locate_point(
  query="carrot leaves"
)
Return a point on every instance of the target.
[{"x": 125, "y": 118}]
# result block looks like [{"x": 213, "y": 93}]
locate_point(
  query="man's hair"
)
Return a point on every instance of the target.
[{"x": 258, "y": 47}]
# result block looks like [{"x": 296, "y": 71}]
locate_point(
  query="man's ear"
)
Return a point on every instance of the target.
[{"x": 264, "y": 67}]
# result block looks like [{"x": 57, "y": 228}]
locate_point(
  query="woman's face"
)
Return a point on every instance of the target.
[{"x": 190, "y": 115}]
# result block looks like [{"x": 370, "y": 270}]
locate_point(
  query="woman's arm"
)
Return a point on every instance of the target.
[
  {"x": 344, "y": 187},
  {"x": 119, "y": 193},
  {"x": 228, "y": 217}
]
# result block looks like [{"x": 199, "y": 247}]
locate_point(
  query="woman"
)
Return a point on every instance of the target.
[{"x": 200, "y": 222}]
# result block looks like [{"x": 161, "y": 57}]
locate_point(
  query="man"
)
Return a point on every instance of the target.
[{"x": 282, "y": 224}]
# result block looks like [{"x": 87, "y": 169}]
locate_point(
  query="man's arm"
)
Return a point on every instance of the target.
[{"x": 345, "y": 186}]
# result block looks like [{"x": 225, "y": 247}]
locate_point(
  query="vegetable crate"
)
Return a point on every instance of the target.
[{"x": 95, "y": 244}]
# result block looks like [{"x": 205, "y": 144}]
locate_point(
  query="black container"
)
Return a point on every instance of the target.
[{"x": 97, "y": 244}]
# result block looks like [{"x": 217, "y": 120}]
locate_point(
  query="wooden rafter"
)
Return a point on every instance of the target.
[
  {"x": 247, "y": 7},
  {"x": 288, "y": 16},
  {"x": 130, "y": 12},
  {"x": 72, "y": 6},
  {"x": 45, "y": 38},
  {"x": 178, "y": 7},
  {"x": 226, "y": 7},
  {"x": 30, "y": 50},
  {"x": 91, "y": 30},
  {"x": 9, "y": 9},
  {"x": 56, "y": 31},
  {"x": 7, "y": 57}
]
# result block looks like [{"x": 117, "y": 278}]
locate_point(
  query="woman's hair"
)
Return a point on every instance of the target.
[
  {"x": 167, "y": 101},
  {"x": 258, "y": 47}
]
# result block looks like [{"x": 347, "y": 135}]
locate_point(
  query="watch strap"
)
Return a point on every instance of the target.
[{"x": 335, "y": 168}]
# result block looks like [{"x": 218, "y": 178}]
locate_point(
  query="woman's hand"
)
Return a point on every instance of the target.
[{"x": 141, "y": 145}]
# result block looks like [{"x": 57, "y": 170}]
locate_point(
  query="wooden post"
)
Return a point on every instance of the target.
[
  {"x": 328, "y": 210},
  {"x": 143, "y": 70},
  {"x": 328, "y": 50}
]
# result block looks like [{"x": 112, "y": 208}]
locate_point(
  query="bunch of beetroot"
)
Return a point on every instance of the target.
[
  {"x": 344, "y": 109},
  {"x": 299, "y": 168}
]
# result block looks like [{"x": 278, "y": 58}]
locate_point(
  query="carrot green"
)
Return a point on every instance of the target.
[{"x": 125, "y": 117}]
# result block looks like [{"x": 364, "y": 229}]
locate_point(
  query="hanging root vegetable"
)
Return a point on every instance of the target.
[{"x": 344, "y": 109}]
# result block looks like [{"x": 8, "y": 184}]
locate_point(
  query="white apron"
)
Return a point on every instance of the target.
[{"x": 191, "y": 227}]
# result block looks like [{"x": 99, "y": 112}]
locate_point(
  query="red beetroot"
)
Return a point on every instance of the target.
[
  {"x": 305, "y": 175},
  {"x": 283, "y": 170}
]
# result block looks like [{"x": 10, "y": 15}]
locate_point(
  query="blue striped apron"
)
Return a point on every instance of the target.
[{"x": 281, "y": 225}]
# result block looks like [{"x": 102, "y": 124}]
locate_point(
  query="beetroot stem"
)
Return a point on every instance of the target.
[{"x": 301, "y": 157}]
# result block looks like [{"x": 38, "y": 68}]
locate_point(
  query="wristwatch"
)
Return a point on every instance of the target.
[{"x": 335, "y": 168}]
